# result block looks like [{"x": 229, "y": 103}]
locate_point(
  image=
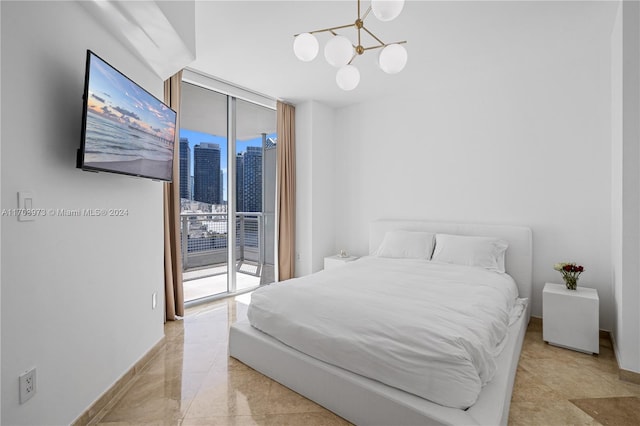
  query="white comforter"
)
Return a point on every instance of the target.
[{"x": 428, "y": 328}]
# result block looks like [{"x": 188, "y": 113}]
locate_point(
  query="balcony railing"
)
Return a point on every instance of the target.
[{"x": 204, "y": 241}]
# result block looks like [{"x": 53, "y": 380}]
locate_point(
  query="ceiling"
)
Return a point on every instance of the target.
[{"x": 249, "y": 43}]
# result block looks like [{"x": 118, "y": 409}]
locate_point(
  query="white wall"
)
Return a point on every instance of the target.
[
  {"x": 528, "y": 144},
  {"x": 76, "y": 291},
  {"x": 323, "y": 186},
  {"x": 626, "y": 185},
  {"x": 0, "y": 239},
  {"x": 617, "y": 175},
  {"x": 304, "y": 188},
  {"x": 315, "y": 186}
]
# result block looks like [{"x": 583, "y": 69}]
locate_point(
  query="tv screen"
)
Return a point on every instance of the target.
[{"x": 125, "y": 129}]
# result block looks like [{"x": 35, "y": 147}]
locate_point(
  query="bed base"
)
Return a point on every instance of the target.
[
  {"x": 363, "y": 401},
  {"x": 367, "y": 402}
]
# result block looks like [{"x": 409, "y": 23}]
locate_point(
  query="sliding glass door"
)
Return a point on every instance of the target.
[
  {"x": 255, "y": 192},
  {"x": 226, "y": 152}
]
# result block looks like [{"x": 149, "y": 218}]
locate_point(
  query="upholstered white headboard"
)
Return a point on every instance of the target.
[{"x": 519, "y": 256}]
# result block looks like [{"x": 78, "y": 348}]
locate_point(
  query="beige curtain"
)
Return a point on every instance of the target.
[
  {"x": 286, "y": 191},
  {"x": 174, "y": 296}
]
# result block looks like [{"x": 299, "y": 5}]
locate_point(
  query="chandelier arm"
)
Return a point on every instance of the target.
[
  {"x": 324, "y": 30},
  {"x": 383, "y": 45},
  {"x": 352, "y": 58},
  {"x": 366, "y": 13},
  {"x": 339, "y": 27},
  {"x": 373, "y": 35}
]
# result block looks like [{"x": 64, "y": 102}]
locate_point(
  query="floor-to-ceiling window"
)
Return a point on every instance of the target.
[
  {"x": 255, "y": 188},
  {"x": 227, "y": 190}
]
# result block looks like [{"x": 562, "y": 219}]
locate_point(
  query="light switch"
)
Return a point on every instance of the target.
[{"x": 25, "y": 201}]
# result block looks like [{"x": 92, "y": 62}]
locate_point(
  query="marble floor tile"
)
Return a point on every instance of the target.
[
  {"x": 324, "y": 418},
  {"x": 227, "y": 421},
  {"x": 534, "y": 413},
  {"x": 143, "y": 423},
  {"x": 528, "y": 387},
  {"x": 192, "y": 381},
  {"x": 242, "y": 393},
  {"x": 284, "y": 401},
  {"x": 612, "y": 411},
  {"x": 147, "y": 410}
]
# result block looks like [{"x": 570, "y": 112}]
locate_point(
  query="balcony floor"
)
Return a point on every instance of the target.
[{"x": 206, "y": 282}]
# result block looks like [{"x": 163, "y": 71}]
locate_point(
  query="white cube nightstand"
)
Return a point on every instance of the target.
[
  {"x": 333, "y": 261},
  {"x": 570, "y": 318}
]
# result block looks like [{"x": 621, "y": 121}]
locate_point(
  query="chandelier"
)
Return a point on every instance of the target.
[{"x": 340, "y": 51}]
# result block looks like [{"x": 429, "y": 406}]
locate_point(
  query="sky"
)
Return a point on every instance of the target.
[{"x": 117, "y": 98}]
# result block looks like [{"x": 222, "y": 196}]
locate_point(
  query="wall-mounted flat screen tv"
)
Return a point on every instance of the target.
[{"x": 125, "y": 129}]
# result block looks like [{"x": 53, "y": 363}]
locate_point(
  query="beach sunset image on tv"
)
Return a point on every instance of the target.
[{"x": 127, "y": 130}]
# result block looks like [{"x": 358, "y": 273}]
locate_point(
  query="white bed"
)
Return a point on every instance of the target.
[{"x": 365, "y": 401}]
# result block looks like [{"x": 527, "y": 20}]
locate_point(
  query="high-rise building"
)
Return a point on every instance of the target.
[
  {"x": 221, "y": 187},
  {"x": 252, "y": 179},
  {"x": 185, "y": 169},
  {"x": 206, "y": 173},
  {"x": 240, "y": 182}
]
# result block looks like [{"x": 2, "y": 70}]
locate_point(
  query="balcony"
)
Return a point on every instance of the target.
[{"x": 204, "y": 245}]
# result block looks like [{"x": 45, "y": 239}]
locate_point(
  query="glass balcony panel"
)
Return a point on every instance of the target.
[{"x": 204, "y": 252}]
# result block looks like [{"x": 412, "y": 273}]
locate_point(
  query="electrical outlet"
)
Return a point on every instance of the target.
[{"x": 27, "y": 385}]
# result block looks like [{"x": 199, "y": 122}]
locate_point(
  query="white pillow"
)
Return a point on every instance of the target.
[
  {"x": 406, "y": 245},
  {"x": 485, "y": 252}
]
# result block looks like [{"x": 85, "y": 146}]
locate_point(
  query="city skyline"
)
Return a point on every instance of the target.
[{"x": 196, "y": 138}]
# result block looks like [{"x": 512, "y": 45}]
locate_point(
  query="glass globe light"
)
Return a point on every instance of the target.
[
  {"x": 386, "y": 10},
  {"x": 305, "y": 46},
  {"x": 338, "y": 51},
  {"x": 392, "y": 58},
  {"x": 348, "y": 77}
]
